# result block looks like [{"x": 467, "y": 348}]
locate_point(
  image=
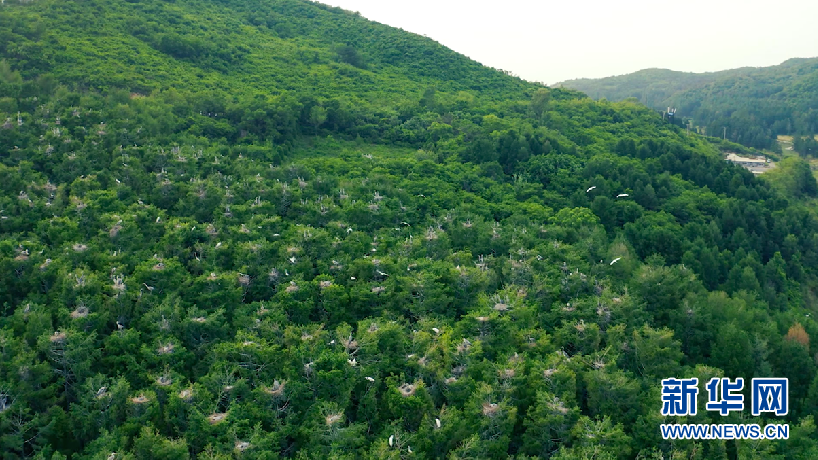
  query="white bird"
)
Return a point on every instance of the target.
[
  {"x": 292, "y": 259},
  {"x": 615, "y": 260},
  {"x": 370, "y": 379},
  {"x": 150, "y": 288},
  {"x": 391, "y": 440},
  {"x": 119, "y": 326},
  {"x": 219, "y": 244},
  {"x": 118, "y": 182},
  {"x": 158, "y": 218},
  {"x": 437, "y": 422},
  {"x": 332, "y": 342},
  {"x": 352, "y": 278},
  {"x": 590, "y": 189},
  {"x": 621, "y": 195},
  {"x": 409, "y": 449},
  {"x": 352, "y": 362},
  {"x": 349, "y": 230},
  {"x": 437, "y": 331}
]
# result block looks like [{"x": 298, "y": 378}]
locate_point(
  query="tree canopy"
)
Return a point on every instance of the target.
[{"x": 277, "y": 230}]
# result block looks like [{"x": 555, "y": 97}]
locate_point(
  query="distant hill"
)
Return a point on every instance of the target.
[
  {"x": 652, "y": 87},
  {"x": 755, "y": 104}
]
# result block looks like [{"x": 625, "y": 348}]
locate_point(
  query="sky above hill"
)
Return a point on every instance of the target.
[{"x": 551, "y": 41}]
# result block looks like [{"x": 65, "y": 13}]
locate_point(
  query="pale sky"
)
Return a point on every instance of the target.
[{"x": 552, "y": 41}]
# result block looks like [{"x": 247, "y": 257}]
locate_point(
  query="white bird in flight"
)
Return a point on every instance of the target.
[
  {"x": 615, "y": 260},
  {"x": 591, "y": 188},
  {"x": 370, "y": 379},
  {"x": 391, "y": 440},
  {"x": 437, "y": 422},
  {"x": 621, "y": 195}
]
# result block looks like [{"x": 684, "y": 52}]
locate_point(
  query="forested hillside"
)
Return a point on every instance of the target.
[
  {"x": 246, "y": 229},
  {"x": 652, "y": 87},
  {"x": 755, "y": 105}
]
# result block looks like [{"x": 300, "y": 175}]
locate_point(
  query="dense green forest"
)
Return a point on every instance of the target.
[
  {"x": 274, "y": 229},
  {"x": 754, "y": 105}
]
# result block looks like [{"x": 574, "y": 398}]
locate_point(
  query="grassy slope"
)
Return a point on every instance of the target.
[{"x": 262, "y": 48}]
